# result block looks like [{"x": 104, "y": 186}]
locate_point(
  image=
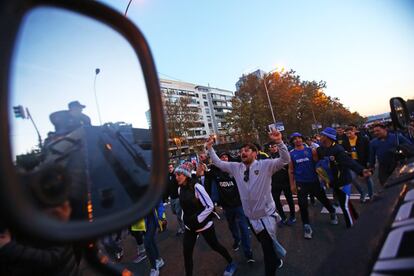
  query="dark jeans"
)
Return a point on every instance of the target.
[
  {"x": 367, "y": 180},
  {"x": 384, "y": 172},
  {"x": 189, "y": 240},
  {"x": 239, "y": 229},
  {"x": 304, "y": 189},
  {"x": 149, "y": 239},
  {"x": 271, "y": 260},
  {"x": 277, "y": 190}
]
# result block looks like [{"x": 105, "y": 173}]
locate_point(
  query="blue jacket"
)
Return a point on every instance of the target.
[{"x": 384, "y": 150}]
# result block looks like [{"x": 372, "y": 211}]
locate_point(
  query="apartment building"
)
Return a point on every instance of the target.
[{"x": 210, "y": 103}]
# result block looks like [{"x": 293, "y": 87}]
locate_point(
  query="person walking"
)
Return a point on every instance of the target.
[
  {"x": 197, "y": 217},
  {"x": 339, "y": 164},
  {"x": 281, "y": 183},
  {"x": 304, "y": 181},
  {"x": 149, "y": 226},
  {"x": 174, "y": 199},
  {"x": 357, "y": 146},
  {"x": 254, "y": 180},
  {"x": 229, "y": 199},
  {"x": 384, "y": 147}
]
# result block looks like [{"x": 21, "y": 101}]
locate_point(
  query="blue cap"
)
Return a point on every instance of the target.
[
  {"x": 296, "y": 134},
  {"x": 330, "y": 133}
]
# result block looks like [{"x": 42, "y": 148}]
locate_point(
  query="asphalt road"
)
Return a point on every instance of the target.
[{"x": 303, "y": 256}]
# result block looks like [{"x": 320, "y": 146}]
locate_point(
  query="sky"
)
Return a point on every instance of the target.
[
  {"x": 55, "y": 62},
  {"x": 362, "y": 49}
]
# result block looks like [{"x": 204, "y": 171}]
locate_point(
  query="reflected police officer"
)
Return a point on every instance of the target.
[{"x": 66, "y": 121}]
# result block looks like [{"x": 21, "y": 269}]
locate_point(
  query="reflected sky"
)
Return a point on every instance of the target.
[{"x": 55, "y": 64}]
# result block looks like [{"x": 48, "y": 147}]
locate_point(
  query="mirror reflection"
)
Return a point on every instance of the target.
[
  {"x": 400, "y": 113},
  {"x": 79, "y": 111}
]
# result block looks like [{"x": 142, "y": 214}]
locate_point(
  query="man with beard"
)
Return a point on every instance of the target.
[{"x": 254, "y": 180}]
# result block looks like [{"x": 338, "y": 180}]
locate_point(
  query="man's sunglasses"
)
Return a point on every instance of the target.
[{"x": 246, "y": 175}]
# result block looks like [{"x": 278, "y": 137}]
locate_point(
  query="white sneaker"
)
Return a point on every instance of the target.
[
  {"x": 159, "y": 263},
  {"x": 307, "y": 231},
  {"x": 140, "y": 257},
  {"x": 154, "y": 272}
]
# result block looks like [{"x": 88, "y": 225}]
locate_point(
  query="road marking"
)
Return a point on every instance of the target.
[{"x": 330, "y": 196}]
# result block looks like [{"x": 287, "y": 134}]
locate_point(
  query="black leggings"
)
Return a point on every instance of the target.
[
  {"x": 189, "y": 241},
  {"x": 304, "y": 189}
]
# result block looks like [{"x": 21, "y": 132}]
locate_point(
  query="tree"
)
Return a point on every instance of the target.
[
  {"x": 298, "y": 104},
  {"x": 181, "y": 117}
]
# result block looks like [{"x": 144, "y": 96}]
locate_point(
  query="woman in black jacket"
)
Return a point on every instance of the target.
[{"x": 197, "y": 211}]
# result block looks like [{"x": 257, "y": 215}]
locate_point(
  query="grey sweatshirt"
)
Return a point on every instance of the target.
[{"x": 256, "y": 194}]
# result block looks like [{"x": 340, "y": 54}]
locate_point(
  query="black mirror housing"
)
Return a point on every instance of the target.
[{"x": 399, "y": 113}]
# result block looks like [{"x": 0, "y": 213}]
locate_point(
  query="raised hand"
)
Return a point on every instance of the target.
[
  {"x": 366, "y": 173},
  {"x": 275, "y": 136},
  {"x": 210, "y": 142}
]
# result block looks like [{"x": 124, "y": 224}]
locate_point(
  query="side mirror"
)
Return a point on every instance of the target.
[
  {"x": 399, "y": 113},
  {"x": 59, "y": 57}
]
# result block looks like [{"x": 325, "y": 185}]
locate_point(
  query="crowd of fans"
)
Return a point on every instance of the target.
[{"x": 247, "y": 184}]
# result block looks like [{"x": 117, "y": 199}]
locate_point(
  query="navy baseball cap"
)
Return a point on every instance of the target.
[{"x": 75, "y": 104}]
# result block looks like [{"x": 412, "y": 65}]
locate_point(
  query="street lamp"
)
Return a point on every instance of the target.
[
  {"x": 97, "y": 70},
  {"x": 267, "y": 93},
  {"x": 126, "y": 10}
]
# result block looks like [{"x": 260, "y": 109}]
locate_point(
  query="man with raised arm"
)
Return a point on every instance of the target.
[{"x": 254, "y": 181}]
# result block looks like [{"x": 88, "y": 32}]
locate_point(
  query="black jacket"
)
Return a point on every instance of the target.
[
  {"x": 362, "y": 149},
  {"x": 227, "y": 189},
  {"x": 340, "y": 163},
  {"x": 23, "y": 259},
  {"x": 172, "y": 189},
  {"x": 341, "y": 138},
  {"x": 192, "y": 207},
  {"x": 281, "y": 177}
]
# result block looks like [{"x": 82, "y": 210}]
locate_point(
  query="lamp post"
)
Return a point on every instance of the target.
[
  {"x": 97, "y": 70},
  {"x": 267, "y": 93},
  {"x": 126, "y": 10},
  {"x": 270, "y": 103}
]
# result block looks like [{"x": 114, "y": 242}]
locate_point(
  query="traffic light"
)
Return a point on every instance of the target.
[{"x": 19, "y": 112}]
